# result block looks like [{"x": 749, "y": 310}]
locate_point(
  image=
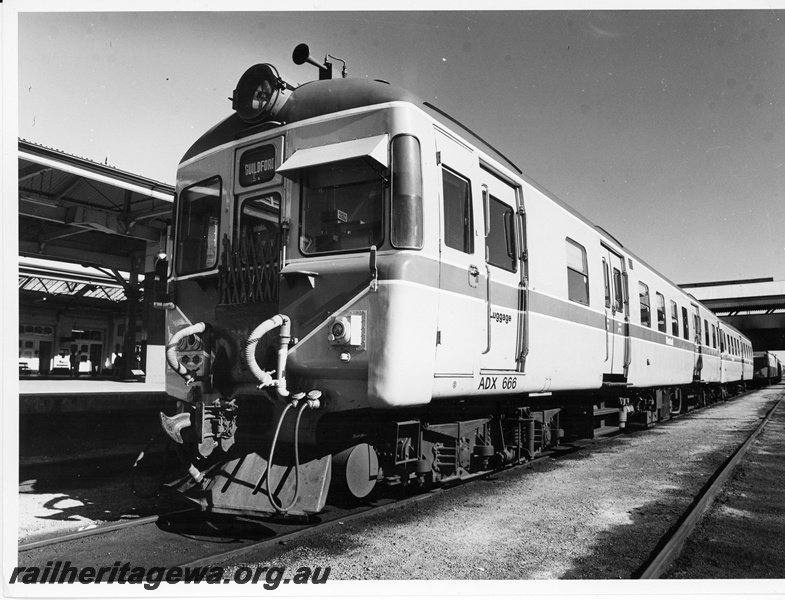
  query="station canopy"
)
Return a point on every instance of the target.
[
  {"x": 744, "y": 296},
  {"x": 93, "y": 216},
  {"x": 64, "y": 285}
]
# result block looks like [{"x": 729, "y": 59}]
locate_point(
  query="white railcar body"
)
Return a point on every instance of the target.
[{"x": 413, "y": 268}]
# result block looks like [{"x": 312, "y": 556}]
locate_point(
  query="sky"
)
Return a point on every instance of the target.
[{"x": 665, "y": 127}]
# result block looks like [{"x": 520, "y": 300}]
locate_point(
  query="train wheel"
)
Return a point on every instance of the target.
[{"x": 355, "y": 470}]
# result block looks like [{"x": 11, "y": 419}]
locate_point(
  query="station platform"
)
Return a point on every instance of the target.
[
  {"x": 83, "y": 394},
  {"x": 77, "y": 419}
]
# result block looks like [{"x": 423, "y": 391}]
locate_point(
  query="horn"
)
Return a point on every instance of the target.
[
  {"x": 302, "y": 54},
  {"x": 174, "y": 425}
]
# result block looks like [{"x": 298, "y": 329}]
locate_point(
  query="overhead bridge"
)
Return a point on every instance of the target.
[{"x": 756, "y": 307}]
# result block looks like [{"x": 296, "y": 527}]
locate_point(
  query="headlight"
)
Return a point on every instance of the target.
[{"x": 260, "y": 93}]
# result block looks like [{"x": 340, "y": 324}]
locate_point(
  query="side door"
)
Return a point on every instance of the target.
[
  {"x": 697, "y": 365},
  {"x": 617, "y": 317},
  {"x": 463, "y": 322},
  {"x": 504, "y": 279},
  {"x": 723, "y": 356}
]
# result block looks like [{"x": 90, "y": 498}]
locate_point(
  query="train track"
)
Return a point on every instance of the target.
[
  {"x": 187, "y": 538},
  {"x": 90, "y": 531},
  {"x": 197, "y": 535},
  {"x": 670, "y": 545}
]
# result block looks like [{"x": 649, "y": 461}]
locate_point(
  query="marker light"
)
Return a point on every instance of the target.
[
  {"x": 340, "y": 331},
  {"x": 260, "y": 93},
  {"x": 346, "y": 330}
]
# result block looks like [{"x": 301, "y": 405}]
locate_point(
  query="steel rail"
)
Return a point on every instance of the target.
[
  {"x": 671, "y": 544},
  {"x": 97, "y": 530},
  {"x": 215, "y": 559}
]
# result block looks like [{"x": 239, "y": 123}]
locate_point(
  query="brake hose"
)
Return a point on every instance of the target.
[
  {"x": 310, "y": 403},
  {"x": 273, "y": 501}
]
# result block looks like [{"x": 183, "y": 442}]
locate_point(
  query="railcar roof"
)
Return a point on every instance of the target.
[{"x": 319, "y": 98}]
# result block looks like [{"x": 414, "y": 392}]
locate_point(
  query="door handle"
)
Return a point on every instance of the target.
[{"x": 474, "y": 276}]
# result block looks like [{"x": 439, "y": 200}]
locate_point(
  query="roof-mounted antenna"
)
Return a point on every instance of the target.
[{"x": 302, "y": 54}]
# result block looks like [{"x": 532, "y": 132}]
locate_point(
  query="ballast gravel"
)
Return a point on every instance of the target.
[{"x": 597, "y": 513}]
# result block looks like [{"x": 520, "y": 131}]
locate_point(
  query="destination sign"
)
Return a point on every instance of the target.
[{"x": 257, "y": 165}]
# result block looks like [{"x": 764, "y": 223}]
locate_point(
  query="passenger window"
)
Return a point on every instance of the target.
[
  {"x": 661, "y": 317},
  {"x": 713, "y": 336},
  {"x": 674, "y": 319},
  {"x": 500, "y": 240},
  {"x": 706, "y": 329},
  {"x": 458, "y": 220},
  {"x": 643, "y": 294},
  {"x": 685, "y": 320},
  {"x": 577, "y": 273},
  {"x": 607, "y": 280}
]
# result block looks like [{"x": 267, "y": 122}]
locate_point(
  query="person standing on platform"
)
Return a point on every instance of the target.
[{"x": 74, "y": 363}]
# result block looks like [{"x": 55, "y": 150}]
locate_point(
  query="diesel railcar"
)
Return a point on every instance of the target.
[
  {"x": 767, "y": 369},
  {"x": 361, "y": 290}
]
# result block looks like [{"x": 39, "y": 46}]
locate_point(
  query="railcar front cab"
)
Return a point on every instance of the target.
[
  {"x": 320, "y": 218},
  {"x": 358, "y": 307}
]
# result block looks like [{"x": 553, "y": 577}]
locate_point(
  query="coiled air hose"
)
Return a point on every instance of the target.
[{"x": 284, "y": 336}]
